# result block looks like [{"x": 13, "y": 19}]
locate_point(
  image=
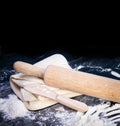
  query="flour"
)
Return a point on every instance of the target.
[
  {"x": 96, "y": 116},
  {"x": 79, "y": 67},
  {"x": 65, "y": 117},
  {"x": 97, "y": 68},
  {"x": 114, "y": 73},
  {"x": 92, "y": 117},
  {"x": 12, "y": 107}
]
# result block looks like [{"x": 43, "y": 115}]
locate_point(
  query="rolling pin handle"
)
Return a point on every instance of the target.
[{"x": 28, "y": 69}]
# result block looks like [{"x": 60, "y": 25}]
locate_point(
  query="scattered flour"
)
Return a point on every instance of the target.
[
  {"x": 92, "y": 117},
  {"x": 95, "y": 116},
  {"x": 97, "y": 68},
  {"x": 12, "y": 107},
  {"x": 65, "y": 117}
]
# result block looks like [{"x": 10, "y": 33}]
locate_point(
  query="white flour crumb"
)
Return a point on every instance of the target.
[
  {"x": 118, "y": 65},
  {"x": 114, "y": 73},
  {"x": 79, "y": 67},
  {"x": 106, "y": 70},
  {"x": 12, "y": 107}
]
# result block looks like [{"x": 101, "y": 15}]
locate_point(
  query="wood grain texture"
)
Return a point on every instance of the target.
[{"x": 84, "y": 83}]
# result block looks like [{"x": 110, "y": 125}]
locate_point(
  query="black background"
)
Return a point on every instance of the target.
[
  {"x": 91, "y": 32},
  {"x": 75, "y": 47},
  {"x": 85, "y": 39}
]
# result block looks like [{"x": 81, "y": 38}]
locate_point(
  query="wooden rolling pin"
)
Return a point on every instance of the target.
[{"x": 69, "y": 79}]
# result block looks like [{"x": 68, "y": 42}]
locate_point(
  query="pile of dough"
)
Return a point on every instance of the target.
[{"x": 36, "y": 102}]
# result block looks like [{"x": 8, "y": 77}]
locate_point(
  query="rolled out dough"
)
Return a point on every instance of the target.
[{"x": 34, "y": 102}]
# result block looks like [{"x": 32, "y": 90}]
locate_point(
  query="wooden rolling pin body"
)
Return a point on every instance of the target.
[{"x": 69, "y": 79}]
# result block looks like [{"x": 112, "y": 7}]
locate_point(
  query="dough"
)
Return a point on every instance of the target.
[{"x": 34, "y": 102}]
